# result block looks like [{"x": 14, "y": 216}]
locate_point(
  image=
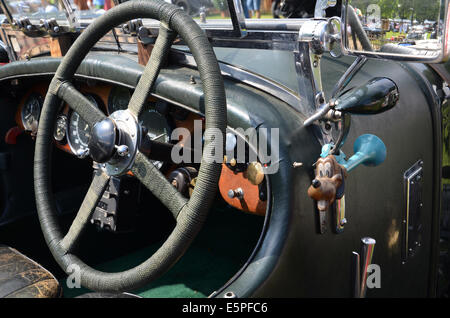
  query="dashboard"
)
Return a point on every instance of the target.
[
  {"x": 71, "y": 132},
  {"x": 160, "y": 118}
]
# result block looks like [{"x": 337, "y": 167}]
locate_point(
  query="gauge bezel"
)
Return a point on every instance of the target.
[
  {"x": 111, "y": 95},
  {"x": 65, "y": 138},
  {"x": 40, "y": 98},
  {"x": 99, "y": 104},
  {"x": 69, "y": 141},
  {"x": 170, "y": 125}
]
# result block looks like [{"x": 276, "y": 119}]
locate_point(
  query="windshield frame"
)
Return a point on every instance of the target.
[
  {"x": 263, "y": 34},
  {"x": 234, "y": 29}
]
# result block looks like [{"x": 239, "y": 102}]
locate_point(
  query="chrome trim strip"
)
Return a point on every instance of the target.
[{"x": 247, "y": 77}]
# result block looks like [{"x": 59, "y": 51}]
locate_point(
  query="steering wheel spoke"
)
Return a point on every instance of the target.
[
  {"x": 80, "y": 103},
  {"x": 88, "y": 206},
  {"x": 157, "y": 58},
  {"x": 157, "y": 183}
]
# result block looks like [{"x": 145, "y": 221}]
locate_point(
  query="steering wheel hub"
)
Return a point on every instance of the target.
[
  {"x": 128, "y": 135},
  {"x": 102, "y": 142}
]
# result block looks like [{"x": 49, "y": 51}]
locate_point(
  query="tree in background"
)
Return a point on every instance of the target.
[
  {"x": 388, "y": 9},
  {"x": 419, "y": 10}
]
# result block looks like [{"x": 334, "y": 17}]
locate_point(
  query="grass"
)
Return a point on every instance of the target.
[{"x": 390, "y": 34}]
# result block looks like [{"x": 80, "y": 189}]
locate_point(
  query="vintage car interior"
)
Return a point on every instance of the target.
[
  {"x": 129, "y": 222},
  {"x": 93, "y": 204},
  {"x": 124, "y": 229}
]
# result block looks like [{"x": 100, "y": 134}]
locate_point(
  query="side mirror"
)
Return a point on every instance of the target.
[
  {"x": 376, "y": 96},
  {"x": 396, "y": 30}
]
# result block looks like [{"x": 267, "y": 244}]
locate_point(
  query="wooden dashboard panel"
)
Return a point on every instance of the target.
[
  {"x": 251, "y": 202},
  {"x": 100, "y": 90}
]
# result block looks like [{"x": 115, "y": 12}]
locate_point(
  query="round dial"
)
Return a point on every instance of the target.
[
  {"x": 119, "y": 99},
  {"x": 157, "y": 126},
  {"x": 31, "y": 111},
  {"x": 79, "y": 131},
  {"x": 60, "y": 128}
]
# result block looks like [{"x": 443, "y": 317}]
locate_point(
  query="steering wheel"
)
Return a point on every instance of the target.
[{"x": 115, "y": 141}]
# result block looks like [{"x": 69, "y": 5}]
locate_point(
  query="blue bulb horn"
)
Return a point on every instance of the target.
[{"x": 369, "y": 150}]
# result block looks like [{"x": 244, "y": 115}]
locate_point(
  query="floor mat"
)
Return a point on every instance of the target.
[{"x": 221, "y": 248}]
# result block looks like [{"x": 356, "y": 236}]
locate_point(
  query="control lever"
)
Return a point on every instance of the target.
[
  {"x": 376, "y": 96},
  {"x": 160, "y": 151}
]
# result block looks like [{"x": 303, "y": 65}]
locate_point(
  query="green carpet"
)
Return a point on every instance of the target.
[{"x": 222, "y": 247}]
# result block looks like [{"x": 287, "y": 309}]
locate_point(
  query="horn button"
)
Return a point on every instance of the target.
[
  {"x": 113, "y": 142},
  {"x": 102, "y": 144}
]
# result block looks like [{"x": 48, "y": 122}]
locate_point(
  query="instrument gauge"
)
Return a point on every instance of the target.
[
  {"x": 158, "y": 127},
  {"x": 118, "y": 99},
  {"x": 31, "y": 111},
  {"x": 79, "y": 132},
  {"x": 60, "y": 128}
]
